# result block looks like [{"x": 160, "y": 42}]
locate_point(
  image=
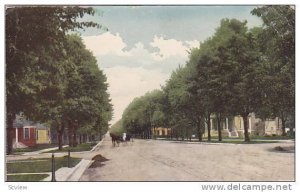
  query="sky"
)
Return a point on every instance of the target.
[{"x": 140, "y": 46}]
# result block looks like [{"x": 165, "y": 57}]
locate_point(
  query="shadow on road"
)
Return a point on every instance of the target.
[
  {"x": 279, "y": 149},
  {"x": 98, "y": 159}
]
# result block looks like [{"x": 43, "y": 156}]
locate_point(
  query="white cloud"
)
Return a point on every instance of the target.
[
  {"x": 193, "y": 44},
  {"x": 167, "y": 48},
  {"x": 106, "y": 43},
  {"x": 171, "y": 47},
  {"x": 134, "y": 72},
  {"x": 127, "y": 83}
]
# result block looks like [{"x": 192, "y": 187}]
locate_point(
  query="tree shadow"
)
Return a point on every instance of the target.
[
  {"x": 98, "y": 159},
  {"x": 280, "y": 149}
]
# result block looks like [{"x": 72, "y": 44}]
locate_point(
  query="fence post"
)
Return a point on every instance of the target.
[{"x": 53, "y": 168}]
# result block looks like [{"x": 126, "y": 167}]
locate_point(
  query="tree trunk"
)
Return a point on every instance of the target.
[
  {"x": 219, "y": 117},
  {"x": 70, "y": 132},
  {"x": 75, "y": 139},
  {"x": 9, "y": 126},
  {"x": 59, "y": 140},
  {"x": 283, "y": 120},
  {"x": 200, "y": 136},
  {"x": 208, "y": 127},
  {"x": 60, "y": 131},
  {"x": 199, "y": 130},
  {"x": 75, "y": 127},
  {"x": 246, "y": 133}
]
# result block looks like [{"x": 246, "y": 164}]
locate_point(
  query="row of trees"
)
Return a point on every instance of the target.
[
  {"x": 235, "y": 72},
  {"x": 50, "y": 76},
  {"x": 145, "y": 113}
]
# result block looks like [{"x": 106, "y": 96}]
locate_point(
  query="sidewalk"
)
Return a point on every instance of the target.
[
  {"x": 42, "y": 151},
  {"x": 71, "y": 174},
  {"x": 74, "y": 173},
  {"x": 64, "y": 173}
]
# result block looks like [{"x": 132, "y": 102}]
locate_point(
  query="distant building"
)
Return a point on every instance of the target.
[
  {"x": 161, "y": 131},
  {"x": 234, "y": 126}
]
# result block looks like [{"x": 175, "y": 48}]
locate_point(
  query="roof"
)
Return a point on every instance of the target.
[{"x": 20, "y": 122}]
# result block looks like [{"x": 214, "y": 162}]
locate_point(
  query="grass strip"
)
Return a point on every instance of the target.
[
  {"x": 78, "y": 148},
  {"x": 27, "y": 177},
  {"x": 38, "y": 166}
]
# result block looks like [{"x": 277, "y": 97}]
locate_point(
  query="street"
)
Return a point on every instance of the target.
[{"x": 156, "y": 160}]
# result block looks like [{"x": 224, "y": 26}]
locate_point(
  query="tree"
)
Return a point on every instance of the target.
[
  {"x": 34, "y": 40},
  {"x": 144, "y": 114},
  {"x": 243, "y": 57},
  {"x": 277, "y": 42},
  {"x": 186, "y": 112},
  {"x": 226, "y": 73},
  {"x": 87, "y": 100}
]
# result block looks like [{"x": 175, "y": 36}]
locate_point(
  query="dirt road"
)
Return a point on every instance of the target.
[{"x": 154, "y": 160}]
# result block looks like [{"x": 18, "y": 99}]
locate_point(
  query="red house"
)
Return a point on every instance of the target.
[
  {"x": 23, "y": 133},
  {"x": 24, "y": 136}
]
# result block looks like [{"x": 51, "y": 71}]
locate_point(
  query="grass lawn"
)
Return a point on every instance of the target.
[
  {"x": 39, "y": 165},
  {"x": 252, "y": 137},
  {"x": 35, "y": 148},
  {"x": 79, "y": 147},
  {"x": 225, "y": 140},
  {"x": 31, "y": 177},
  {"x": 241, "y": 141},
  {"x": 276, "y": 137}
]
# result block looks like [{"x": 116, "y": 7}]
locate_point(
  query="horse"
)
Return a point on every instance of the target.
[
  {"x": 115, "y": 139},
  {"x": 128, "y": 137}
]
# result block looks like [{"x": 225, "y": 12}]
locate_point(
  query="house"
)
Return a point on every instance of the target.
[
  {"x": 26, "y": 133},
  {"x": 234, "y": 126},
  {"x": 23, "y": 133},
  {"x": 161, "y": 131},
  {"x": 42, "y": 134}
]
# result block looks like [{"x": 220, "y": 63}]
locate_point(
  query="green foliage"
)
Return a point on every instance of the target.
[
  {"x": 184, "y": 109},
  {"x": 277, "y": 41},
  {"x": 144, "y": 113},
  {"x": 235, "y": 72},
  {"x": 117, "y": 128},
  {"x": 51, "y": 77},
  {"x": 34, "y": 40}
]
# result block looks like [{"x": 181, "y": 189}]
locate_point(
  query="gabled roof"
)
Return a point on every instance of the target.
[{"x": 20, "y": 122}]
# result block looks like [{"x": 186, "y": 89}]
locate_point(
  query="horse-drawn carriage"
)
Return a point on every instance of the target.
[{"x": 117, "y": 139}]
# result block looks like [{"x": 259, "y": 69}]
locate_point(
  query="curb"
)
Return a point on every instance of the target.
[
  {"x": 94, "y": 148},
  {"x": 82, "y": 165},
  {"x": 79, "y": 170},
  {"x": 70, "y": 174},
  {"x": 74, "y": 173}
]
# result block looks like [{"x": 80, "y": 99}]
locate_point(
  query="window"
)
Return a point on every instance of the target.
[{"x": 26, "y": 133}]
